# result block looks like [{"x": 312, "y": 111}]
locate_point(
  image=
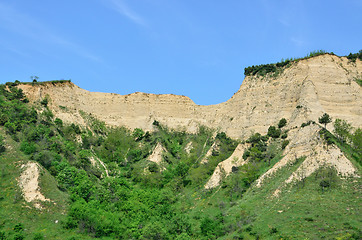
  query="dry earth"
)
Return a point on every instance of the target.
[
  {"x": 29, "y": 184},
  {"x": 156, "y": 155},
  {"x": 214, "y": 147},
  {"x": 224, "y": 168}
]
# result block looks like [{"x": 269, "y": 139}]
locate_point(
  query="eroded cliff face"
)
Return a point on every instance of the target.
[{"x": 302, "y": 92}]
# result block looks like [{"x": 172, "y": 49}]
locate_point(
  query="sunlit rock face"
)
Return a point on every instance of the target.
[{"x": 302, "y": 92}]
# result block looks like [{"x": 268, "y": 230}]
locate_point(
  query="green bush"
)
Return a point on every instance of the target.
[
  {"x": 274, "y": 132},
  {"x": 285, "y": 144},
  {"x": 282, "y": 123},
  {"x": 44, "y": 102},
  {"x": 28, "y": 147},
  {"x": 58, "y": 122}
]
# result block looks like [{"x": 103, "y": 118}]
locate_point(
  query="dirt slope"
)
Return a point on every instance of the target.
[
  {"x": 224, "y": 168},
  {"x": 29, "y": 184}
]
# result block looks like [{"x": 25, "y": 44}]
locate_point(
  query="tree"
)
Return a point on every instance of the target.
[
  {"x": 325, "y": 119},
  {"x": 342, "y": 130},
  {"x": 34, "y": 79}
]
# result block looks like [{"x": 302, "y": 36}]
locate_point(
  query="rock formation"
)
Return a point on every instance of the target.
[{"x": 303, "y": 91}]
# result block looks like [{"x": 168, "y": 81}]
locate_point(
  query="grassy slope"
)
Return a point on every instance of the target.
[
  {"x": 302, "y": 211},
  {"x": 15, "y": 210}
]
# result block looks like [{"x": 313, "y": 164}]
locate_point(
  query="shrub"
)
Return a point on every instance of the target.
[
  {"x": 284, "y": 136},
  {"x": 18, "y": 227},
  {"x": 307, "y": 123},
  {"x": 11, "y": 127},
  {"x": 285, "y": 144},
  {"x": 282, "y": 123},
  {"x": 153, "y": 167},
  {"x": 138, "y": 134},
  {"x": 58, "y": 122},
  {"x": 274, "y": 132},
  {"x": 27, "y": 147},
  {"x": 255, "y": 138}
]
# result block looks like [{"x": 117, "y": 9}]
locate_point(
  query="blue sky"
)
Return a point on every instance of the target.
[{"x": 197, "y": 48}]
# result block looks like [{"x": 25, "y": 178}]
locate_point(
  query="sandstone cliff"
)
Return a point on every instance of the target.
[{"x": 304, "y": 91}]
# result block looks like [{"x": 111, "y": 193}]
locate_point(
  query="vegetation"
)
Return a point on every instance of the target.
[
  {"x": 353, "y": 56},
  {"x": 277, "y": 68},
  {"x": 325, "y": 119},
  {"x": 358, "y": 81},
  {"x": 105, "y": 187}
]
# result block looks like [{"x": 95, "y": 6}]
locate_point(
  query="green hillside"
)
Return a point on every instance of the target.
[{"x": 102, "y": 184}]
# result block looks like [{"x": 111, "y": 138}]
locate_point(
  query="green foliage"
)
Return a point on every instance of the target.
[
  {"x": 282, "y": 123},
  {"x": 277, "y": 68},
  {"x": 38, "y": 236},
  {"x": 357, "y": 140},
  {"x": 274, "y": 132},
  {"x": 28, "y": 147},
  {"x": 325, "y": 119},
  {"x": 358, "y": 81},
  {"x": 138, "y": 134},
  {"x": 307, "y": 123},
  {"x": 353, "y": 56},
  {"x": 44, "y": 102},
  {"x": 58, "y": 122},
  {"x": 2, "y": 144},
  {"x": 285, "y": 144},
  {"x": 211, "y": 228},
  {"x": 342, "y": 130},
  {"x": 316, "y": 53}
]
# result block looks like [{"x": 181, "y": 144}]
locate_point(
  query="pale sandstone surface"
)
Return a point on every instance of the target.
[
  {"x": 224, "y": 168},
  {"x": 29, "y": 184},
  {"x": 156, "y": 155},
  {"x": 214, "y": 147},
  {"x": 319, "y": 84}
]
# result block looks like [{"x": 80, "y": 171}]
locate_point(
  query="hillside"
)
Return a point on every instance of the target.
[{"x": 82, "y": 165}]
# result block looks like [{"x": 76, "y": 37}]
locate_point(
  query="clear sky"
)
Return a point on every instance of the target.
[{"x": 197, "y": 48}]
